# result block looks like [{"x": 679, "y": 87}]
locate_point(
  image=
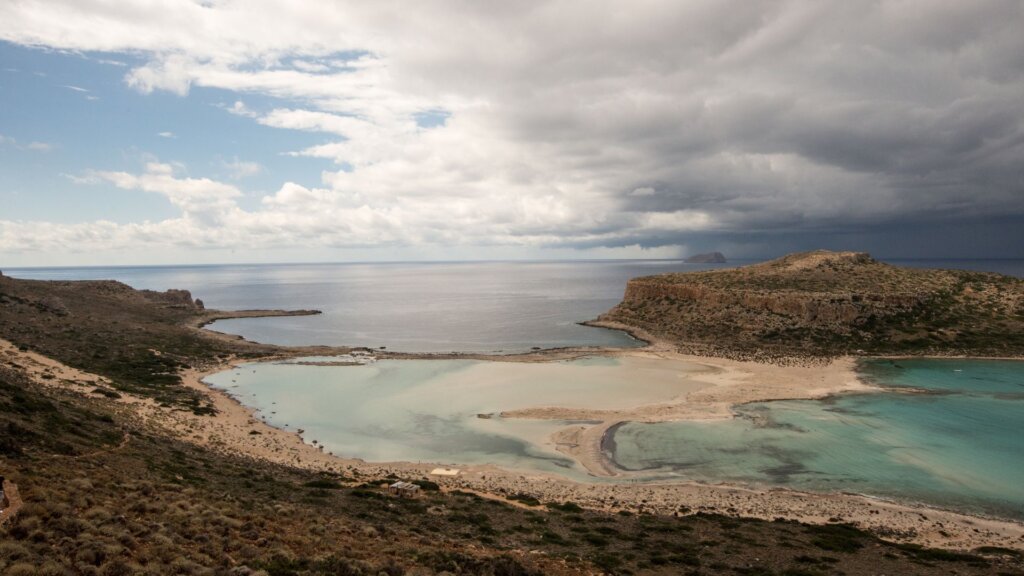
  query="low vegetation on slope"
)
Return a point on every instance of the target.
[
  {"x": 827, "y": 304},
  {"x": 138, "y": 338}
]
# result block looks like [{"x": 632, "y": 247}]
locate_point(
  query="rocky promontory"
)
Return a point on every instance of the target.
[
  {"x": 708, "y": 258},
  {"x": 829, "y": 303}
]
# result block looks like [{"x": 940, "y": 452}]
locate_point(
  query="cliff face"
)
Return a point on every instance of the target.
[{"x": 828, "y": 303}]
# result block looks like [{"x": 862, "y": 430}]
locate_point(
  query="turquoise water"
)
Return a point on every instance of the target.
[
  {"x": 945, "y": 432},
  {"x": 428, "y": 410},
  {"x": 949, "y": 433}
]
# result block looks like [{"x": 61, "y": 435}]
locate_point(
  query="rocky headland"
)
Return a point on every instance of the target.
[{"x": 827, "y": 304}]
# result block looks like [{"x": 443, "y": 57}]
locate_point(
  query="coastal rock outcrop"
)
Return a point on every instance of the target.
[
  {"x": 828, "y": 303},
  {"x": 708, "y": 258},
  {"x": 173, "y": 298}
]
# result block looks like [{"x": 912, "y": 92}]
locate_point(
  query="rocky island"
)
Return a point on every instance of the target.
[
  {"x": 828, "y": 304},
  {"x": 708, "y": 258}
]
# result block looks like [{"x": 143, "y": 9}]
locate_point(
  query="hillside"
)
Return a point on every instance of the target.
[
  {"x": 826, "y": 304},
  {"x": 140, "y": 339}
]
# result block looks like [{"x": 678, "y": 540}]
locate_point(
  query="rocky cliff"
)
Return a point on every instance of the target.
[{"x": 827, "y": 303}]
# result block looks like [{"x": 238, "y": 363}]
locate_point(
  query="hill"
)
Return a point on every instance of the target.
[
  {"x": 140, "y": 339},
  {"x": 826, "y": 304}
]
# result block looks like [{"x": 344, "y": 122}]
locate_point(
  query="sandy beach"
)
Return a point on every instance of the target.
[{"x": 235, "y": 430}]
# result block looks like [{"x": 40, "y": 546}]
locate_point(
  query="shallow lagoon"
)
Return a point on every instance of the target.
[
  {"x": 951, "y": 433},
  {"x": 427, "y": 410}
]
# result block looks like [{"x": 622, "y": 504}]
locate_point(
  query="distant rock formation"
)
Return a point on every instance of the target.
[
  {"x": 708, "y": 258},
  {"x": 829, "y": 303},
  {"x": 173, "y": 298}
]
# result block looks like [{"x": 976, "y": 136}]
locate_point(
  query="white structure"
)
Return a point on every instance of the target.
[{"x": 404, "y": 489}]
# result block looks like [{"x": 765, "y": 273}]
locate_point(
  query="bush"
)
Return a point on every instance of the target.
[{"x": 566, "y": 507}]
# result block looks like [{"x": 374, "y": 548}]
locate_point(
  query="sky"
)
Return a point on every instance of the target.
[{"x": 180, "y": 131}]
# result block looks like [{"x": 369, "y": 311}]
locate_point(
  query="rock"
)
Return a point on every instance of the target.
[
  {"x": 173, "y": 299},
  {"x": 708, "y": 258},
  {"x": 53, "y": 305}
]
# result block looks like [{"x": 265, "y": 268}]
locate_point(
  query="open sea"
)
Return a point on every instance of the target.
[
  {"x": 407, "y": 307},
  {"x": 423, "y": 307},
  {"x": 946, "y": 432}
]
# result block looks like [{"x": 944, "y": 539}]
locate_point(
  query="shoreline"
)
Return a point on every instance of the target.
[
  {"x": 912, "y": 522},
  {"x": 229, "y": 431}
]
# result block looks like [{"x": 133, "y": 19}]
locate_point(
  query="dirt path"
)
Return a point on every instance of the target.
[{"x": 14, "y": 502}]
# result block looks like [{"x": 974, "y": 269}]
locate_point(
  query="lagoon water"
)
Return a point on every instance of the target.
[
  {"x": 946, "y": 432},
  {"x": 429, "y": 410},
  {"x": 956, "y": 441}
]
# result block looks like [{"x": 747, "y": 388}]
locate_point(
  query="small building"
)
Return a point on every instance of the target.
[{"x": 404, "y": 489}]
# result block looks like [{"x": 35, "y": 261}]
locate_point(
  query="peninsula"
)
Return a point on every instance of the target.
[{"x": 826, "y": 305}]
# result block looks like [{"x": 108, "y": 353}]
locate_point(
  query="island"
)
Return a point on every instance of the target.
[{"x": 707, "y": 258}]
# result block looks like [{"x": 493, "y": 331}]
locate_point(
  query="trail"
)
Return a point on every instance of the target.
[{"x": 14, "y": 502}]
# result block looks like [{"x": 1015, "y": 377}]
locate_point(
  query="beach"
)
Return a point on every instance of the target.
[{"x": 725, "y": 383}]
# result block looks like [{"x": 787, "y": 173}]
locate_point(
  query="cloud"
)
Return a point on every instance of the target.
[
  {"x": 31, "y": 146},
  {"x": 240, "y": 109},
  {"x": 166, "y": 134},
  {"x": 239, "y": 169},
  {"x": 582, "y": 124},
  {"x": 196, "y": 197}
]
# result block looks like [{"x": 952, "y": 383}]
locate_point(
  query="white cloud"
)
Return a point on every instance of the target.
[
  {"x": 32, "y": 146},
  {"x": 239, "y": 169},
  {"x": 167, "y": 134},
  {"x": 196, "y": 197},
  {"x": 581, "y": 123},
  {"x": 240, "y": 109}
]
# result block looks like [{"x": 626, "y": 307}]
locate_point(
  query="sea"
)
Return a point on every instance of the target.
[
  {"x": 949, "y": 433},
  {"x": 424, "y": 306}
]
